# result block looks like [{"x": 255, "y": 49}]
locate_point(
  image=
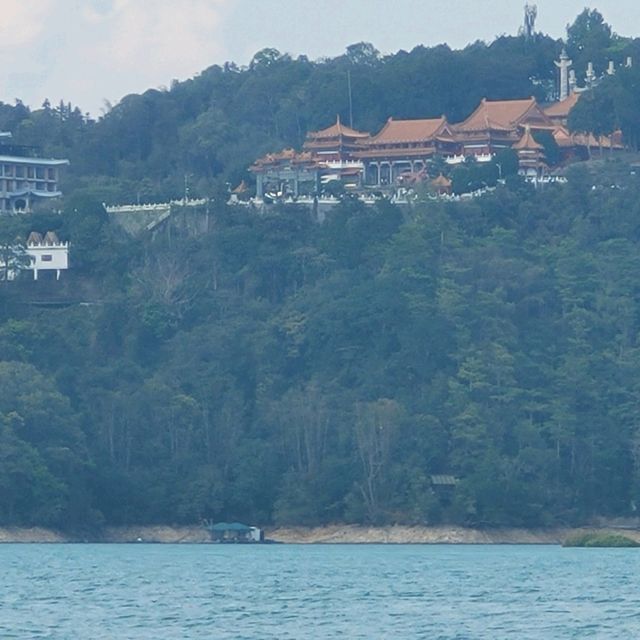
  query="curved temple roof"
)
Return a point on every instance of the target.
[
  {"x": 402, "y": 131},
  {"x": 336, "y": 130},
  {"x": 562, "y": 109},
  {"x": 503, "y": 115},
  {"x": 527, "y": 142}
]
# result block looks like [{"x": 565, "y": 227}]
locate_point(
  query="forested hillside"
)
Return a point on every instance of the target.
[
  {"x": 279, "y": 370},
  {"x": 276, "y": 370}
]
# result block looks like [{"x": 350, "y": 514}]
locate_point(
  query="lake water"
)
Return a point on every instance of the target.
[{"x": 280, "y": 591}]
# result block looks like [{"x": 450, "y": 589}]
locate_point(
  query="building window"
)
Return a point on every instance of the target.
[
  {"x": 51, "y": 174},
  {"x": 47, "y": 257},
  {"x": 40, "y": 173},
  {"x": 31, "y": 172}
]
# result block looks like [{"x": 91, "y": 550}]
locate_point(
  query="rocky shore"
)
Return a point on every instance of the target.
[
  {"x": 352, "y": 534},
  {"x": 332, "y": 534}
]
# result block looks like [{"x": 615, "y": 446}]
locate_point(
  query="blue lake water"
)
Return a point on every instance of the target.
[{"x": 281, "y": 591}]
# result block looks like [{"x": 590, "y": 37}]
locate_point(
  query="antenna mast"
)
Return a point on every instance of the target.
[
  {"x": 530, "y": 16},
  {"x": 350, "y": 100}
]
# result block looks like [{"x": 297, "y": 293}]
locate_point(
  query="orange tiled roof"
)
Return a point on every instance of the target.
[
  {"x": 405, "y": 131},
  {"x": 562, "y": 109},
  {"x": 287, "y": 156},
  {"x": 441, "y": 181},
  {"x": 503, "y": 114},
  {"x": 562, "y": 137},
  {"x": 566, "y": 139},
  {"x": 241, "y": 188},
  {"x": 396, "y": 153},
  {"x": 606, "y": 142},
  {"x": 336, "y": 130},
  {"x": 527, "y": 142}
]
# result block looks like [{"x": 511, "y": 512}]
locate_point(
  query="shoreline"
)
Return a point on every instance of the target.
[{"x": 329, "y": 534}]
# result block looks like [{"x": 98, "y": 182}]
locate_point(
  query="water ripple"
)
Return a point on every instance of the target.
[{"x": 141, "y": 592}]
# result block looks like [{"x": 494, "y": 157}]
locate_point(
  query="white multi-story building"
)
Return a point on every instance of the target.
[{"x": 23, "y": 179}]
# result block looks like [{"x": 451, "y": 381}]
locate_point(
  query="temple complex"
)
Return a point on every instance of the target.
[
  {"x": 402, "y": 151},
  {"x": 25, "y": 180}
]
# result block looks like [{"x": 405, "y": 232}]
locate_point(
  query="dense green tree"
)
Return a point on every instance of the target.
[
  {"x": 13, "y": 239},
  {"x": 588, "y": 40}
]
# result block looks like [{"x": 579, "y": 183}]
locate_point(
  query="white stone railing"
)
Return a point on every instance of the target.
[
  {"x": 460, "y": 159},
  {"x": 132, "y": 208},
  {"x": 344, "y": 164}
]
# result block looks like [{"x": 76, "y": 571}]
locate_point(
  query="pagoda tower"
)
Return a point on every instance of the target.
[{"x": 530, "y": 155}]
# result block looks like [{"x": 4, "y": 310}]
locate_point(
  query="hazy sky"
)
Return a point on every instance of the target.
[{"x": 89, "y": 51}]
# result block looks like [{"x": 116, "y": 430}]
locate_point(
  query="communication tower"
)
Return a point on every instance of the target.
[{"x": 530, "y": 16}]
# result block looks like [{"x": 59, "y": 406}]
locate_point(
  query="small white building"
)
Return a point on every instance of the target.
[{"x": 47, "y": 253}]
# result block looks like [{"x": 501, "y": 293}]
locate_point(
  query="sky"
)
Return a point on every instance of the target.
[{"x": 93, "y": 52}]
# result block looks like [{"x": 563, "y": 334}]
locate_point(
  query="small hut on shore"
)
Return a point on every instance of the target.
[{"x": 234, "y": 532}]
